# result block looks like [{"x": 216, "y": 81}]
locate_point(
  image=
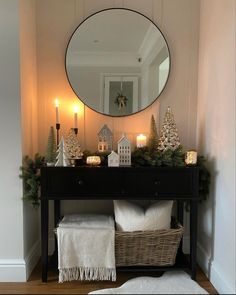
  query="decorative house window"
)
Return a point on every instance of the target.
[
  {"x": 113, "y": 159},
  {"x": 105, "y": 138},
  {"x": 124, "y": 151}
]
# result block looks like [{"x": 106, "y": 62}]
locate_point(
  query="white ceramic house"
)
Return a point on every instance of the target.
[
  {"x": 124, "y": 151},
  {"x": 113, "y": 159},
  {"x": 105, "y": 138}
]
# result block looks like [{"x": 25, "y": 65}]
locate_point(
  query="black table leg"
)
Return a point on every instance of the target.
[
  {"x": 44, "y": 239},
  {"x": 180, "y": 219},
  {"x": 193, "y": 237},
  {"x": 57, "y": 211},
  {"x": 180, "y": 211},
  {"x": 57, "y": 215}
]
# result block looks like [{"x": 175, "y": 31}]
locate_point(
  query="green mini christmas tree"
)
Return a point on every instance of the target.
[
  {"x": 153, "y": 137},
  {"x": 169, "y": 139},
  {"x": 51, "y": 148}
]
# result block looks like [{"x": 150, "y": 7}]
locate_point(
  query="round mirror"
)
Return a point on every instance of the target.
[{"x": 117, "y": 62}]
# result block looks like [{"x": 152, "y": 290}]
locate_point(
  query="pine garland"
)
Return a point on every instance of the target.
[
  {"x": 30, "y": 173},
  {"x": 204, "y": 178},
  {"x": 146, "y": 157},
  {"x": 140, "y": 157}
]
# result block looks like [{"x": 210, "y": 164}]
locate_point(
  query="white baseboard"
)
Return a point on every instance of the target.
[
  {"x": 32, "y": 258},
  {"x": 203, "y": 260},
  {"x": 213, "y": 272},
  {"x": 219, "y": 281},
  {"x": 12, "y": 270},
  {"x": 19, "y": 270}
]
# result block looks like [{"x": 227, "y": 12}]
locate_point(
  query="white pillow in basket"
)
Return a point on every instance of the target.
[{"x": 132, "y": 217}]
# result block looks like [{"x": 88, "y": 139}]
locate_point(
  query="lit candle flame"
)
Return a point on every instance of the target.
[
  {"x": 57, "y": 110},
  {"x": 57, "y": 102},
  {"x": 76, "y": 109}
]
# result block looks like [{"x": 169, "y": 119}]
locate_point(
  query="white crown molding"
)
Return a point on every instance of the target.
[
  {"x": 151, "y": 46},
  {"x": 103, "y": 59}
]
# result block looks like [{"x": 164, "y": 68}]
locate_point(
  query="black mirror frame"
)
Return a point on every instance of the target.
[{"x": 170, "y": 62}]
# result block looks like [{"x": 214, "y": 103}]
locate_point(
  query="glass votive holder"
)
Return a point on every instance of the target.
[
  {"x": 93, "y": 160},
  {"x": 191, "y": 158}
]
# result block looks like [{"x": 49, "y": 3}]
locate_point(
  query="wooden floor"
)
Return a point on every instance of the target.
[{"x": 35, "y": 286}]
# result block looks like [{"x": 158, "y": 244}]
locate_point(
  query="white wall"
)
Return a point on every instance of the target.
[
  {"x": 29, "y": 111},
  {"x": 12, "y": 267},
  {"x": 56, "y": 21},
  {"x": 216, "y": 140}
]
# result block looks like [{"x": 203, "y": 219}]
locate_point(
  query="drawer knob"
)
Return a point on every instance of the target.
[
  {"x": 80, "y": 182},
  {"x": 157, "y": 182},
  {"x": 123, "y": 191},
  {"x": 156, "y": 194}
]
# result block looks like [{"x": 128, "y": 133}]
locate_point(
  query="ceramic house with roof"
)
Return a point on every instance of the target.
[
  {"x": 113, "y": 159},
  {"x": 105, "y": 138},
  {"x": 124, "y": 151}
]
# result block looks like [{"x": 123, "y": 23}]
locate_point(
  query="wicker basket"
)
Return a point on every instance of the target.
[{"x": 147, "y": 248}]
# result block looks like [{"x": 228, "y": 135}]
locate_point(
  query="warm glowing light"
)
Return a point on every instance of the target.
[
  {"x": 141, "y": 140},
  {"x": 56, "y": 102},
  {"x": 191, "y": 158},
  {"x": 76, "y": 109},
  {"x": 57, "y": 110},
  {"x": 93, "y": 160}
]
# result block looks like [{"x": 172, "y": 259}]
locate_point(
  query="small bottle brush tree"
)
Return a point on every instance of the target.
[
  {"x": 62, "y": 159},
  {"x": 153, "y": 137},
  {"x": 51, "y": 148},
  {"x": 169, "y": 139}
]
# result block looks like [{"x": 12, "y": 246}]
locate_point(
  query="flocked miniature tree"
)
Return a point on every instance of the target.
[
  {"x": 153, "y": 136},
  {"x": 169, "y": 139},
  {"x": 51, "y": 148},
  {"x": 62, "y": 159}
]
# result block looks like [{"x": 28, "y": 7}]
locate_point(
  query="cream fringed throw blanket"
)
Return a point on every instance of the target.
[{"x": 86, "y": 248}]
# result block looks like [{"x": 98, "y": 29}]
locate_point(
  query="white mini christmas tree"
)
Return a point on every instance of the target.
[
  {"x": 169, "y": 139},
  {"x": 62, "y": 159}
]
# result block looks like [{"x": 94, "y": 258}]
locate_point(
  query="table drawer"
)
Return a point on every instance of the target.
[
  {"x": 82, "y": 183},
  {"x": 119, "y": 183},
  {"x": 174, "y": 183}
]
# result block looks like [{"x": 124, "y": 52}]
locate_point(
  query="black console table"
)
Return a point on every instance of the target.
[{"x": 110, "y": 183}]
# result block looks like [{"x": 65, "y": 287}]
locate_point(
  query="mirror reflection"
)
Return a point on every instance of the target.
[{"x": 117, "y": 62}]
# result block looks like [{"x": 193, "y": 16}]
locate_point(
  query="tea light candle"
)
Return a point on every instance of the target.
[
  {"x": 76, "y": 109},
  {"x": 141, "y": 140},
  {"x": 191, "y": 158},
  {"x": 57, "y": 110},
  {"x": 93, "y": 160}
]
